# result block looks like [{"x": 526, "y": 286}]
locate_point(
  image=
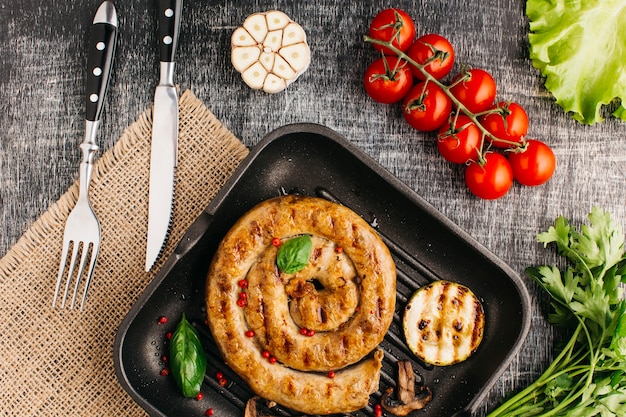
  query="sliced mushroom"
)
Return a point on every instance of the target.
[
  {"x": 405, "y": 400},
  {"x": 252, "y": 407}
]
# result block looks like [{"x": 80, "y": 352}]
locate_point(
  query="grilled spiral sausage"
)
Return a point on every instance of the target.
[{"x": 326, "y": 319}]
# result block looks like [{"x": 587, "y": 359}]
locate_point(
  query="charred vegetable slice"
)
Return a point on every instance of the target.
[{"x": 443, "y": 323}]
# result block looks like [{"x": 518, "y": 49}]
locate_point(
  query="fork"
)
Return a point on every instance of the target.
[{"x": 82, "y": 228}]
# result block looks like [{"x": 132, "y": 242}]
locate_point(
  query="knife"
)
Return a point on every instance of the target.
[{"x": 164, "y": 134}]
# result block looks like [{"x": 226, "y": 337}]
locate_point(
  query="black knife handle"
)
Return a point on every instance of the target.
[
  {"x": 100, "y": 54},
  {"x": 169, "y": 28}
]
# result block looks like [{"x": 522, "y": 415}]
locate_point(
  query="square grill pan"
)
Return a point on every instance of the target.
[{"x": 310, "y": 159}]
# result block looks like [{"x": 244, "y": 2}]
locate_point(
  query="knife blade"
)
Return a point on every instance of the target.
[{"x": 164, "y": 148}]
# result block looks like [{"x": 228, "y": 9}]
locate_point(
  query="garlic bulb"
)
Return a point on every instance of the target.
[{"x": 270, "y": 51}]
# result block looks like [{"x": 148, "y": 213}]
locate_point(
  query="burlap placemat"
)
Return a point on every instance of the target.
[{"x": 60, "y": 362}]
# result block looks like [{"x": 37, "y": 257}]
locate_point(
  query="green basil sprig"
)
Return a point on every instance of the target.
[
  {"x": 187, "y": 358},
  {"x": 293, "y": 255}
]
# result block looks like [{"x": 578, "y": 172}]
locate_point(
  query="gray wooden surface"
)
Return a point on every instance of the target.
[{"x": 41, "y": 115}]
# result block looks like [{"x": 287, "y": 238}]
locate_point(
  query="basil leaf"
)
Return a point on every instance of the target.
[
  {"x": 293, "y": 255},
  {"x": 187, "y": 359}
]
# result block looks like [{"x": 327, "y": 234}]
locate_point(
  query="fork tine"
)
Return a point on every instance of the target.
[
  {"x": 61, "y": 273},
  {"x": 81, "y": 269},
  {"x": 70, "y": 272},
  {"x": 92, "y": 263}
]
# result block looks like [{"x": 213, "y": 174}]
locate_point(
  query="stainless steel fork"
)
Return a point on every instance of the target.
[{"x": 82, "y": 229}]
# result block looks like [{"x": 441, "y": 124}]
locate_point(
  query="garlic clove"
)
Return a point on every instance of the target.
[
  {"x": 276, "y": 19},
  {"x": 243, "y": 57},
  {"x": 274, "y": 84},
  {"x": 256, "y": 25},
  {"x": 255, "y": 76},
  {"x": 293, "y": 33},
  {"x": 273, "y": 41},
  {"x": 298, "y": 56},
  {"x": 267, "y": 60},
  {"x": 282, "y": 69},
  {"x": 241, "y": 37}
]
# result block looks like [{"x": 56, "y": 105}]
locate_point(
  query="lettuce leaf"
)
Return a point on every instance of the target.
[{"x": 580, "y": 48}]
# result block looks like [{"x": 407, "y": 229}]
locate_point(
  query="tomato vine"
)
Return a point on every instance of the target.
[{"x": 431, "y": 105}]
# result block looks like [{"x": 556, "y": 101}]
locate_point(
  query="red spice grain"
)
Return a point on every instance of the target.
[
  {"x": 338, "y": 249},
  {"x": 209, "y": 412},
  {"x": 266, "y": 354},
  {"x": 222, "y": 382},
  {"x": 162, "y": 320},
  {"x": 165, "y": 371},
  {"x": 272, "y": 359},
  {"x": 249, "y": 333},
  {"x": 331, "y": 374},
  {"x": 219, "y": 375},
  {"x": 307, "y": 332},
  {"x": 243, "y": 283},
  {"x": 163, "y": 358},
  {"x": 276, "y": 242},
  {"x": 168, "y": 335},
  {"x": 200, "y": 396}
]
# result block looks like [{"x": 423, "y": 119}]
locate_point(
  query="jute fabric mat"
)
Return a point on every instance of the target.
[{"x": 59, "y": 362}]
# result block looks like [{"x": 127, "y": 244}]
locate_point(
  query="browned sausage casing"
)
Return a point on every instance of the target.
[{"x": 345, "y": 296}]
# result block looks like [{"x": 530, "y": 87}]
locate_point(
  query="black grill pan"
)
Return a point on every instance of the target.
[{"x": 311, "y": 159}]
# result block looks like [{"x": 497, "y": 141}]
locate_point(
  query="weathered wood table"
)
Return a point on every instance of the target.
[{"x": 42, "y": 73}]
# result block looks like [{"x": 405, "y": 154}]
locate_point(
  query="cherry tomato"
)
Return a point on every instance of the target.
[
  {"x": 435, "y": 52},
  {"x": 395, "y": 26},
  {"x": 491, "y": 180},
  {"x": 508, "y": 122},
  {"x": 388, "y": 79},
  {"x": 459, "y": 140},
  {"x": 475, "y": 89},
  {"x": 535, "y": 165},
  {"x": 426, "y": 107}
]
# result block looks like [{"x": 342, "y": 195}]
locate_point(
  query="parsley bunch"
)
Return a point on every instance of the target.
[{"x": 588, "y": 376}]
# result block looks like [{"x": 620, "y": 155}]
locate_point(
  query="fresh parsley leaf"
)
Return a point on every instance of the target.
[
  {"x": 618, "y": 341},
  {"x": 602, "y": 241},
  {"x": 588, "y": 376}
]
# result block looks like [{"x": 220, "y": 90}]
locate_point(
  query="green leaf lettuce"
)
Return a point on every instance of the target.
[{"x": 580, "y": 48}]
